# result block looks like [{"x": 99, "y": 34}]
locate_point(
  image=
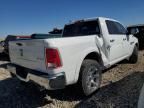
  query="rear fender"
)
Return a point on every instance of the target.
[{"x": 80, "y": 60}]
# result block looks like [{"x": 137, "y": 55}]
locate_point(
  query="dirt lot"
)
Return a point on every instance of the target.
[{"x": 120, "y": 89}]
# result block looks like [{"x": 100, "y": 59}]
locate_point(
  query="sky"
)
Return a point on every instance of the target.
[{"x": 24, "y": 17}]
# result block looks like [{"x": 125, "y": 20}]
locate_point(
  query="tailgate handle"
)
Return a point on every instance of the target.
[{"x": 19, "y": 44}]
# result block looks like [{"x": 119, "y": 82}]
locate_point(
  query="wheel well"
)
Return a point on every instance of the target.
[{"x": 94, "y": 56}]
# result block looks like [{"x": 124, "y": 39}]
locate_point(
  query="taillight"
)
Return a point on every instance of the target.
[{"x": 52, "y": 58}]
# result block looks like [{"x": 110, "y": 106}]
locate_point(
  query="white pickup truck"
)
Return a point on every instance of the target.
[{"x": 85, "y": 48}]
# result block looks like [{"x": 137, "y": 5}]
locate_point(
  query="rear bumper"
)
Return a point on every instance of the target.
[{"x": 50, "y": 82}]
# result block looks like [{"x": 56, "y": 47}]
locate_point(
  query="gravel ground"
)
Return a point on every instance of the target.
[{"x": 120, "y": 88}]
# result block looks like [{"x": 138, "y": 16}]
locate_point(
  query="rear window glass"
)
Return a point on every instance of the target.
[{"x": 81, "y": 29}]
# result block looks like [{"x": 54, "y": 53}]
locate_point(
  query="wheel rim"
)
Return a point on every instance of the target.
[{"x": 93, "y": 78}]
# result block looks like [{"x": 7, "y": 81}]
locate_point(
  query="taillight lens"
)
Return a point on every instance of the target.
[{"x": 52, "y": 58}]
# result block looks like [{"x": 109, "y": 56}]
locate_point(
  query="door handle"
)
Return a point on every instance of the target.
[
  {"x": 124, "y": 39},
  {"x": 112, "y": 40}
]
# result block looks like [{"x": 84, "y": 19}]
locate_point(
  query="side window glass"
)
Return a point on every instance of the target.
[
  {"x": 112, "y": 29},
  {"x": 120, "y": 27},
  {"x": 115, "y": 27}
]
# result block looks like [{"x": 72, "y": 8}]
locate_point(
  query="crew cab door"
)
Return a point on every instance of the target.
[{"x": 117, "y": 36}]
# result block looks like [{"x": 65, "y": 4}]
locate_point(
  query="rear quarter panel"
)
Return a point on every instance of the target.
[{"x": 72, "y": 52}]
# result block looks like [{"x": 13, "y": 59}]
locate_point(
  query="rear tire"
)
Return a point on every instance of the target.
[
  {"x": 90, "y": 77},
  {"x": 134, "y": 57}
]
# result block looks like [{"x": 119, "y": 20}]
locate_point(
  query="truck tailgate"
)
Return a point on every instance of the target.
[{"x": 28, "y": 53}]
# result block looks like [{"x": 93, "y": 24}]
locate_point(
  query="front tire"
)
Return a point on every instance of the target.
[
  {"x": 90, "y": 78},
  {"x": 134, "y": 57}
]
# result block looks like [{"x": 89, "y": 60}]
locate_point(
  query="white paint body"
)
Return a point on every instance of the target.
[{"x": 73, "y": 50}]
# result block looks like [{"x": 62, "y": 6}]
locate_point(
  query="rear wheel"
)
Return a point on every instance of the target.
[
  {"x": 90, "y": 77},
  {"x": 134, "y": 56}
]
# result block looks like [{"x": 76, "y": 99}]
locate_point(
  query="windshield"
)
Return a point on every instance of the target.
[{"x": 81, "y": 29}]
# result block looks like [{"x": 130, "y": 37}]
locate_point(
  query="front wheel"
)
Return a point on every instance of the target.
[
  {"x": 134, "y": 57},
  {"x": 90, "y": 76}
]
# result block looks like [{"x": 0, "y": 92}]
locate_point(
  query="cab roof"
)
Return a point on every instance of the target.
[{"x": 91, "y": 19}]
